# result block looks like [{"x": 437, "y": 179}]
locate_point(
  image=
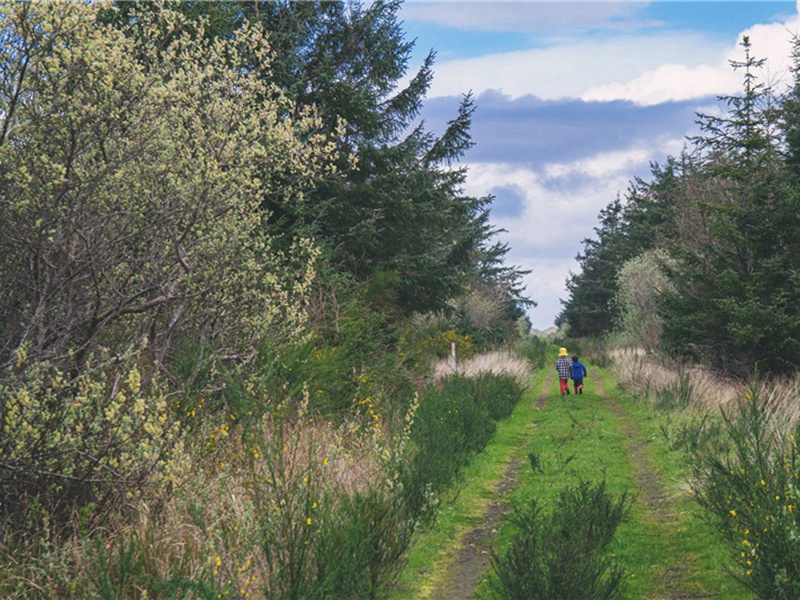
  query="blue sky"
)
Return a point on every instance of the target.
[{"x": 576, "y": 99}]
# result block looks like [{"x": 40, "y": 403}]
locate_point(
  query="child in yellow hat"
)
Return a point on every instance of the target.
[{"x": 564, "y": 368}]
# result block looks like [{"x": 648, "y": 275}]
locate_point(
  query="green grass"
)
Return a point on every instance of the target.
[
  {"x": 465, "y": 504},
  {"x": 664, "y": 548}
]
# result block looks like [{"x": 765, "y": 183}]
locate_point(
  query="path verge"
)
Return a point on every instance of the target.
[
  {"x": 472, "y": 514},
  {"x": 665, "y": 548}
]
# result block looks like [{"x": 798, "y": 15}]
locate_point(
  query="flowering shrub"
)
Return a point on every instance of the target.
[
  {"x": 748, "y": 477},
  {"x": 70, "y": 444},
  {"x": 439, "y": 344}
]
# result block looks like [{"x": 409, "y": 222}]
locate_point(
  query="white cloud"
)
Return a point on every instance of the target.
[
  {"x": 676, "y": 81},
  {"x": 669, "y": 82},
  {"x": 601, "y": 165},
  {"x": 572, "y": 67},
  {"x": 558, "y": 213},
  {"x": 646, "y": 69}
]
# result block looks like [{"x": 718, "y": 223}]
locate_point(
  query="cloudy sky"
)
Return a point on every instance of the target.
[{"x": 575, "y": 99}]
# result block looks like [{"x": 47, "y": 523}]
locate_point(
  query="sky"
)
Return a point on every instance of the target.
[{"x": 574, "y": 100}]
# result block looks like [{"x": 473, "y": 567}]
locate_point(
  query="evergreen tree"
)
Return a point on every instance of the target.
[
  {"x": 399, "y": 215},
  {"x": 736, "y": 288},
  {"x": 644, "y": 220}
]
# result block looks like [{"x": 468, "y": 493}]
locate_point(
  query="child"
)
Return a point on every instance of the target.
[
  {"x": 564, "y": 370},
  {"x": 578, "y": 373}
]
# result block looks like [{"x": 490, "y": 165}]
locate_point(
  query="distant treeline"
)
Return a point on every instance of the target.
[{"x": 702, "y": 260}]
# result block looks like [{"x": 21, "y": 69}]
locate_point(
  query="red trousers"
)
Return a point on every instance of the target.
[{"x": 564, "y": 385}]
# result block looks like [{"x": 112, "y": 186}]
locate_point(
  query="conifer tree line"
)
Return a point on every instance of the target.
[
  {"x": 205, "y": 179},
  {"x": 702, "y": 260}
]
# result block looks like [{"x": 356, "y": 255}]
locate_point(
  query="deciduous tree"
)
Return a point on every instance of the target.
[{"x": 133, "y": 171}]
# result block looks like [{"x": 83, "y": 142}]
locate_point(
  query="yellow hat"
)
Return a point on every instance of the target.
[{"x": 562, "y": 351}]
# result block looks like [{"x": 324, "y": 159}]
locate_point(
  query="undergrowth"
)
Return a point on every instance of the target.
[{"x": 562, "y": 553}]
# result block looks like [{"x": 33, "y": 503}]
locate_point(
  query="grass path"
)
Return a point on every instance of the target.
[{"x": 666, "y": 549}]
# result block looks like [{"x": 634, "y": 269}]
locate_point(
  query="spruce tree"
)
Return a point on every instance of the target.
[
  {"x": 399, "y": 214},
  {"x": 736, "y": 291}
]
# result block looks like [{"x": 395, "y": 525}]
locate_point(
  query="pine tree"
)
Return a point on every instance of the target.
[{"x": 736, "y": 289}]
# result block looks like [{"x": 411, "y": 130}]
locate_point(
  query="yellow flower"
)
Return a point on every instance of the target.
[{"x": 308, "y": 521}]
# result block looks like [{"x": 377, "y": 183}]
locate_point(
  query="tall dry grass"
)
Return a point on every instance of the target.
[
  {"x": 210, "y": 528},
  {"x": 498, "y": 362},
  {"x": 704, "y": 390}
]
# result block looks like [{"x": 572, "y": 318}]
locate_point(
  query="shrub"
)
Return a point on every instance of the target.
[
  {"x": 451, "y": 424},
  {"x": 82, "y": 444},
  {"x": 359, "y": 551},
  {"x": 124, "y": 221},
  {"x": 532, "y": 348},
  {"x": 747, "y": 478},
  {"x": 562, "y": 554},
  {"x": 677, "y": 394},
  {"x": 438, "y": 344},
  {"x": 324, "y": 527}
]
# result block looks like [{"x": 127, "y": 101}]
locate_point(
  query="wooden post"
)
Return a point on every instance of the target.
[{"x": 453, "y": 357}]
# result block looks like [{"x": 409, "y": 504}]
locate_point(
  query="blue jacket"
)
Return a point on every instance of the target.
[{"x": 578, "y": 370}]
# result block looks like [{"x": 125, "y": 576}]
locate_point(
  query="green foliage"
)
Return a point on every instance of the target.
[
  {"x": 350, "y": 354},
  {"x": 127, "y": 224},
  {"x": 640, "y": 282},
  {"x": 747, "y": 478},
  {"x": 361, "y": 552},
  {"x": 735, "y": 291},
  {"x": 88, "y": 443},
  {"x": 127, "y": 569},
  {"x": 316, "y": 537},
  {"x": 563, "y": 554},
  {"x": 450, "y": 426},
  {"x": 532, "y": 348},
  {"x": 489, "y": 316},
  {"x": 438, "y": 345}
]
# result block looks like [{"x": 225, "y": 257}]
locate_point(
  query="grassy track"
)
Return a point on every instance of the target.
[{"x": 666, "y": 549}]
